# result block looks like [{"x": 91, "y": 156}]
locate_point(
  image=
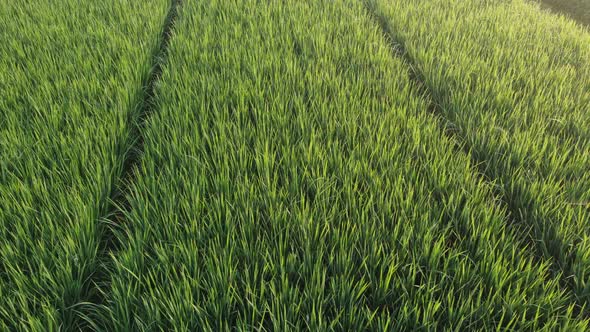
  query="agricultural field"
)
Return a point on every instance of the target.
[
  {"x": 70, "y": 91},
  {"x": 342, "y": 165},
  {"x": 523, "y": 115}
]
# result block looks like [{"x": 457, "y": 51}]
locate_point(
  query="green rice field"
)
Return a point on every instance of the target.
[{"x": 313, "y": 165}]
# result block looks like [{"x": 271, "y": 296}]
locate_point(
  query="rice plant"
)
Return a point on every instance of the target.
[
  {"x": 71, "y": 76},
  {"x": 293, "y": 179},
  {"x": 341, "y": 165},
  {"x": 514, "y": 82}
]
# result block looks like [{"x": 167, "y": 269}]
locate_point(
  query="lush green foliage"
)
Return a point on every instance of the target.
[
  {"x": 294, "y": 179},
  {"x": 321, "y": 165},
  {"x": 71, "y": 75},
  {"x": 518, "y": 95}
]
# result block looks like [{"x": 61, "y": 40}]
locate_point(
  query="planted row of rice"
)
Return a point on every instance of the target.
[
  {"x": 514, "y": 83},
  {"x": 71, "y": 75},
  {"x": 292, "y": 178}
]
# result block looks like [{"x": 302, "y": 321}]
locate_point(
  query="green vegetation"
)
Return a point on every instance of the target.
[
  {"x": 518, "y": 95},
  {"x": 292, "y": 178},
  {"x": 71, "y": 76},
  {"x": 577, "y": 9},
  {"x": 312, "y": 165}
]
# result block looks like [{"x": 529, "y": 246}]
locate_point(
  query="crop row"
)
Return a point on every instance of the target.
[
  {"x": 293, "y": 178},
  {"x": 292, "y": 173},
  {"x": 518, "y": 95},
  {"x": 71, "y": 76}
]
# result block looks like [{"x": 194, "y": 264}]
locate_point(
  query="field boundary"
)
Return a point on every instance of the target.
[
  {"x": 93, "y": 309},
  {"x": 516, "y": 221},
  {"x": 580, "y": 15}
]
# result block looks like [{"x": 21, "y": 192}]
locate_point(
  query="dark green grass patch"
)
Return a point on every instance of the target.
[{"x": 576, "y": 9}]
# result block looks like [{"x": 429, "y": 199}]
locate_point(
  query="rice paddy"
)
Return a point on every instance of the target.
[
  {"x": 342, "y": 165},
  {"x": 71, "y": 87}
]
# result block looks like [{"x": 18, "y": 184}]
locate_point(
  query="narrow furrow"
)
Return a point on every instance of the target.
[
  {"x": 119, "y": 200},
  {"x": 91, "y": 310}
]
